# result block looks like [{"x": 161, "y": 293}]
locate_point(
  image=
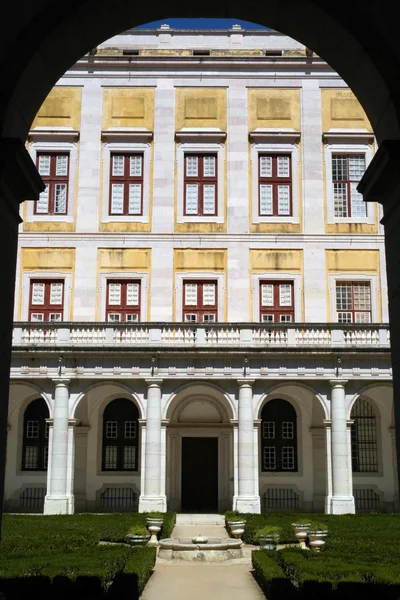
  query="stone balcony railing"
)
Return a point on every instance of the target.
[{"x": 226, "y": 335}]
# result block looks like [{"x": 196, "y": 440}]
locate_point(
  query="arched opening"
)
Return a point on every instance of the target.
[
  {"x": 364, "y": 447},
  {"x": 35, "y": 442},
  {"x": 120, "y": 440},
  {"x": 278, "y": 437}
]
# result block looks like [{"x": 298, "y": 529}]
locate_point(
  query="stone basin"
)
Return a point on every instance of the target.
[{"x": 214, "y": 550}]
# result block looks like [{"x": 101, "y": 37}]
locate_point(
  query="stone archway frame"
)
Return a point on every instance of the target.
[{"x": 126, "y": 391}]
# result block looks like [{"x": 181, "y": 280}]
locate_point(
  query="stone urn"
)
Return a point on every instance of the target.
[
  {"x": 268, "y": 542},
  {"x": 154, "y": 525},
  {"x": 237, "y": 528},
  {"x": 316, "y": 539},
  {"x": 134, "y": 539},
  {"x": 301, "y": 531}
]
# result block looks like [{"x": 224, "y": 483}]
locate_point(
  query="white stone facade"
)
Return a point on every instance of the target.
[{"x": 194, "y": 382}]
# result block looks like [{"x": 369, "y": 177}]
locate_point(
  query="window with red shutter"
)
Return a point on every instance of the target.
[
  {"x": 199, "y": 301},
  {"x": 275, "y": 185},
  {"x": 54, "y": 170},
  {"x": 200, "y": 185},
  {"x": 123, "y": 301},
  {"x": 353, "y": 302},
  {"x": 46, "y": 300},
  {"x": 126, "y": 184},
  {"x": 276, "y": 302}
]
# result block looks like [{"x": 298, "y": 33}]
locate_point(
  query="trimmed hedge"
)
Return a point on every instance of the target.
[{"x": 270, "y": 576}]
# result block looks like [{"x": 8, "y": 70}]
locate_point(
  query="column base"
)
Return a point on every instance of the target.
[
  {"x": 247, "y": 504},
  {"x": 58, "y": 505},
  {"x": 342, "y": 505},
  {"x": 152, "y": 504}
]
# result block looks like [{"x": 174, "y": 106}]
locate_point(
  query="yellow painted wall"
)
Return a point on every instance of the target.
[
  {"x": 128, "y": 107},
  {"x": 201, "y": 107},
  {"x": 341, "y": 109},
  {"x": 62, "y": 108},
  {"x": 274, "y": 108}
]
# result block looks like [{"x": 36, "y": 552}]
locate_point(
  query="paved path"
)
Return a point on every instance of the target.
[{"x": 230, "y": 580}]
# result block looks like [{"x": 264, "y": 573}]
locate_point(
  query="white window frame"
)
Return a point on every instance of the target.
[
  {"x": 26, "y": 286},
  {"x": 144, "y": 288},
  {"x": 133, "y": 147},
  {"x": 373, "y": 281},
  {"x": 275, "y": 148},
  {"x": 297, "y": 279},
  {"x": 202, "y": 277},
  {"x": 347, "y": 148},
  {"x": 36, "y": 147},
  {"x": 198, "y": 148}
]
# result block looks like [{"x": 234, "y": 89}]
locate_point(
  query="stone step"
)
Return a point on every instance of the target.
[{"x": 184, "y": 519}]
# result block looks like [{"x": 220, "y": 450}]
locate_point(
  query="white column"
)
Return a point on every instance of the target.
[
  {"x": 152, "y": 497},
  {"x": 328, "y": 441},
  {"x": 71, "y": 465},
  {"x": 57, "y": 500},
  {"x": 342, "y": 501},
  {"x": 247, "y": 501}
]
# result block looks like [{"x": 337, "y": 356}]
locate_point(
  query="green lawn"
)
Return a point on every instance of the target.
[{"x": 58, "y": 557}]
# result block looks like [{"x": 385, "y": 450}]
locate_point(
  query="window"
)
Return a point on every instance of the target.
[
  {"x": 276, "y": 302},
  {"x": 347, "y": 170},
  {"x": 123, "y": 300},
  {"x": 126, "y": 184},
  {"x": 54, "y": 169},
  {"x": 120, "y": 436},
  {"x": 353, "y": 301},
  {"x": 200, "y": 301},
  {"x": 200, "y": 185},
  {"x": 274, "y": 185},
  {"x": 35, "y": 436},
  {"x": 364, "y": 452},
  {"x": 46, "y": 300},
  {"x": 278, "y": 436}
]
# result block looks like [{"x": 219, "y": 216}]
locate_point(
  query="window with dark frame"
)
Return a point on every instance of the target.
[
  {"x": 46, "y": 300},
  {"x": 275, "y": 185},
  {"x": 35, "y": 441},
  {"x": 364, "y": 448},
  {"x": 120, "y": 436},
  {"x": 123, "y": 301},
  {"x": 276, "y": 302},
  {"x": 200, "y": 185},
  {"x": 347, "y": 170},
  {"x": 54, "y": 170},
  {"x": 126, "y": 184},
  {"x": 200, "y": 301},
  {"x": 353, "y": 302},
  {"x": 278, "y": 437}
]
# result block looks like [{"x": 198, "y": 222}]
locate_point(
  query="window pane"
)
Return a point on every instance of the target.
[
  {"x": 42, "y": 205},
  {"x": 209, "y": 166},
  {"x": 283, "y": 166},
  {"x": 209, "y": 199},
  {"x": 38, "y": 317},
  {"x": 114, "y": 317},
  {"x": 209, "y": 319},
  {"x": 266, "y": 200},
  {"x": 339, "y": 167},
  {"x": 192, "y": 166},
  {"x": 267, "y": 318},
  {"x": 362, "y": 296},
  {"x": 110, "y": 461},
  {"x": 135, "y": 166},
  {"x": 209, "y": 294},
  {"x": 344, "y": 317},
  {"x": 356, "y": 167},
  {"x": 340, "y": 200},
  {"x": 60, "y": 199},
  {"x": 268, "y": 430},
  {"x": 135, "y": 198},
  {"x": 343, "y": 297},
  {"x": 32, "y": 429},
  {"x": 55, "y": 317},
  {"x": 265, "y": 166},
  {"x": 288, "y": 458},
  {"x": 129, "y": 457},
  {"x": 131, "y": 318},
  {"x": 191, "y": 294},
  {"x": 111, "y": 429},
  {"x": 285, "y": 294},
  {"x": 269, "y": 458},
  {"x": 285, "y": 319},
  {"x": 362, "y": 317},
  {"x": 38, "y": 293},
  {"x": 191, "y": 318},
  {"x": 62, "y": 165},
  {"x": 130, "y": 429},
  {"x": 192, "y": 199},
  {"x": 56, "y": 293},
  {"x": 114, "y": 294},
  {"x": 267, "y": 294},
  {"x": 31, "y": 457},
  {"x": 287, "y": 430},
  {"x": 283, "y": 200},
  {"x": 132, "y": 294},
  {"x": 358, "y": 206},
  {"x": 118, "y": 165},
  {"x": 117, "y": 198},
  {"x": 44, "y": 165}
]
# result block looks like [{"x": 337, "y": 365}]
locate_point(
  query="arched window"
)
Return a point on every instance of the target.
[
  {"x": 278, "y": 437},
  {"x": 364, "y": 450},
  {"x": 35, "y": 443},
  {"x": 120, "y": 436}
]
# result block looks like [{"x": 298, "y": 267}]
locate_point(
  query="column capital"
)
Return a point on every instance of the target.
[
  {"x": 155, "y": 382},
  {"x": 338, "y": 382},
  {"x": 245, "y": 382},
  {"x": 61, "y": 382}
]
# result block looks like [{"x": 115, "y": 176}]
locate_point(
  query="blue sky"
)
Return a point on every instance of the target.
[{"x": 201, "y": 24}]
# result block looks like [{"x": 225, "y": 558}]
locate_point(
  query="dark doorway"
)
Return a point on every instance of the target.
[{"x": 200, "y": 474}]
